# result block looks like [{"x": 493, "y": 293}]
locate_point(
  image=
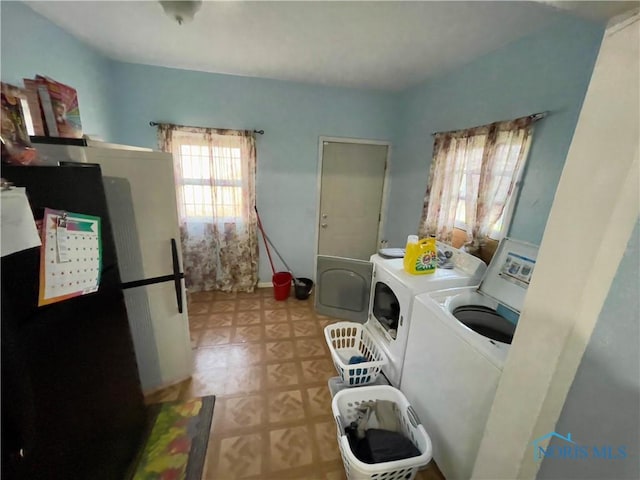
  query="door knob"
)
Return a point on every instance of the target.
[{"x": 323, "y": 225}]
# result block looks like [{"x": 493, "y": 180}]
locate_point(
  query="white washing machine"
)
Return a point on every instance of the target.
[
  {"x": 456, "y": 351},
  {"x": 380, "y": 294}
]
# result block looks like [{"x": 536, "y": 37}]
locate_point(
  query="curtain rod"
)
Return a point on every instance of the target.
[
  {"x": 534, "y": 116},
  {"x": 155, "y": 124}
]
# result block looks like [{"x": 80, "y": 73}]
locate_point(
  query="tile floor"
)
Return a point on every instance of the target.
[{"x": 268, "y": 365}]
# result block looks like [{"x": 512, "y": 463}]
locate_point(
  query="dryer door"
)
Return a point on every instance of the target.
[{"x": 343, "y": 286}]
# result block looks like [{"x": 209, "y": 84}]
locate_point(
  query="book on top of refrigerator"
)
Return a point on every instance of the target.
[
  {"x": 16, "y": 145},
  {"x": 60, "y": 107},
  {"x": 33, "y": 99}
]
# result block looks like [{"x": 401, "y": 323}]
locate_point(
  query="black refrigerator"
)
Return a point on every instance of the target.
[{"x": 72, "y": 404}]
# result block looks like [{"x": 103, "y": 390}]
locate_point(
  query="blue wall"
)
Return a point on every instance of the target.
[
  {"x": 293, "y": 117},
  {"x": 33, "y": 45},
  {"x": 549, "y": 70},
  {"x": 546, "y": 71}
]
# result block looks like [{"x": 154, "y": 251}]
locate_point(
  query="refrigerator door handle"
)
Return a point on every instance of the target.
[{"x": 177, "y": 276}]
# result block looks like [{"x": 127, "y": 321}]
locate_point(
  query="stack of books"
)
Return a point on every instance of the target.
[{"x": 53, "y": 108}]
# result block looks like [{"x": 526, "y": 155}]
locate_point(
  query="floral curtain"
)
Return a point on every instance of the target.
[
  {"x": 488, "y": 159},
  {"x": 215, "y": 173}
]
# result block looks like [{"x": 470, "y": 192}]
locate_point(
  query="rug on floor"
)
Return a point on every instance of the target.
[{"x": 177, "y": 440}]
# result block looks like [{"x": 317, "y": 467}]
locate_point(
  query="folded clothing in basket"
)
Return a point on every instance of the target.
[
  {"x": 375, "y": 436},
  {"x": 381, "y": 414},
  {"x": 386, "y": 446},
  {"x": 358, "y": 373},
  {"x": 357, "y": 359},
  {"x": 379, "y": 446}
]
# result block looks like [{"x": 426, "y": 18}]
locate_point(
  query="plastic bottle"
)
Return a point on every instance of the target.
[{"x": 421, "y": 256}]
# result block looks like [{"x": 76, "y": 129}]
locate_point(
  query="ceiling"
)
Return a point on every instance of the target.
[{"x": 374, "y": 45}]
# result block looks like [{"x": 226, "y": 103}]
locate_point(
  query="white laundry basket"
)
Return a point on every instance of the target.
[
  {"x": 344, "y": 406},
  {"x": 349, "y": 339}
]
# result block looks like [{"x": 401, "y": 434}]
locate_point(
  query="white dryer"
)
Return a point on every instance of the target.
[
  {"x": 457, "y": 347},
  {"x": 344, "y": 284}
]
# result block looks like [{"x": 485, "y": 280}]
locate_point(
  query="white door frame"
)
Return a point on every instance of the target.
[{"x": 385, "y": 186}]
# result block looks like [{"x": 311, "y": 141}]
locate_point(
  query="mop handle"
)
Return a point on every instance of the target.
[
  {"x": 264, "y": 238},
  {"x": 277, "y": 253}
]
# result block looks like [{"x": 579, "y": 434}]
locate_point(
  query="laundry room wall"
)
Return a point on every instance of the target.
[
  {"x": 293, "y": 116},
  {"x": 603, "y": 405},
  {"x": 549, "y": 70},
  {"x": 32, "y": 45},
  {"x": 545, "y": 71},
  {"x": 117, "y": 101}
]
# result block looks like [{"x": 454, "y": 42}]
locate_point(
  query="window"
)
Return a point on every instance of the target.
[
  {"x": 474, "y": 175},
  {"x": 211, "y": 179},
  {"x": 215, "y": 177},
  {"x": 470, "y": 183}
]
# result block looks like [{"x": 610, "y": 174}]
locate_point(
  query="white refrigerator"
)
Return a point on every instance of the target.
[{"x": 140, "y": 190}]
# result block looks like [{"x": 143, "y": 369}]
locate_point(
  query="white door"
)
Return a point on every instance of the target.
[
  {"x": 352, "y": 181},
  {"x": 140, "y": 195}
]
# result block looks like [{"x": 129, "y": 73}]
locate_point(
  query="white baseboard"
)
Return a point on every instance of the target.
[{"x": 265, "y": 284}]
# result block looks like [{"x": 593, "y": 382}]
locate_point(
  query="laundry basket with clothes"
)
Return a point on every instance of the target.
[{"x": 379, "y": 433}]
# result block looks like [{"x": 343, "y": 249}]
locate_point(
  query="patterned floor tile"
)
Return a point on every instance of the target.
[
  {"x": 249, "y": 304},
  {"x": 239, "y": 457},
  {"x": 222, "y": 306},
  {"x": 325, "y": 435},
  {"x": 311, "y": 347},
  {"x": 305, "y": 328},
  {"x": 200, "y": 296},
  {"x": 337, "y": 474},
  {"x": 198, "y": 322},
  {"x": 275, "y": 331},
  {"x": 285, "y": 406},
  {"x": 206, "y": 358},
  {"x": 282, "y": 375},
  {"x": 248, "y": 318},
  {"x": 243, "y": 380},
  {"x": 317, "y": 370},
  {"x": 220, "y": 320},
  {"x": 242, "y": 412},
  {"x": 301, "y": 314},
  {"x": 319, "y": 401},
  {"x": 245, "y": 334},
  {"x": 323, "y": 322},
  {"x": 214, "y": 336},
  {"x": 271, "y": 303},
  {"x": 273, "y": 416},
  {"x": 290, "y": 448},
  {"x": 244, "y": 355},
  {"x": 278, "y": 351},
  {"x": 208, "y": 382},
  {"x": 276, "y": 316},
  {"x": 198, "y": 308}
]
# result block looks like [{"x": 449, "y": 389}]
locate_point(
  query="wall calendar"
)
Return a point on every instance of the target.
[{"x": 71, "y": 256}]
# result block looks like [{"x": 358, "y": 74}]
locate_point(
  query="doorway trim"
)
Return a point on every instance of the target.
[{"x": 385, "y": 186}]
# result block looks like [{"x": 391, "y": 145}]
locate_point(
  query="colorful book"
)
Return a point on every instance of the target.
[
  {"x": 16, "y": 145},
  {"x": 60, "y": 106},
  {"x": 33, "y": 100},
  {"x": 47, "y": 108}
]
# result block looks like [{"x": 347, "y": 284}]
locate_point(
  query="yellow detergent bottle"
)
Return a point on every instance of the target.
[{"x": 421, "y": 256}]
